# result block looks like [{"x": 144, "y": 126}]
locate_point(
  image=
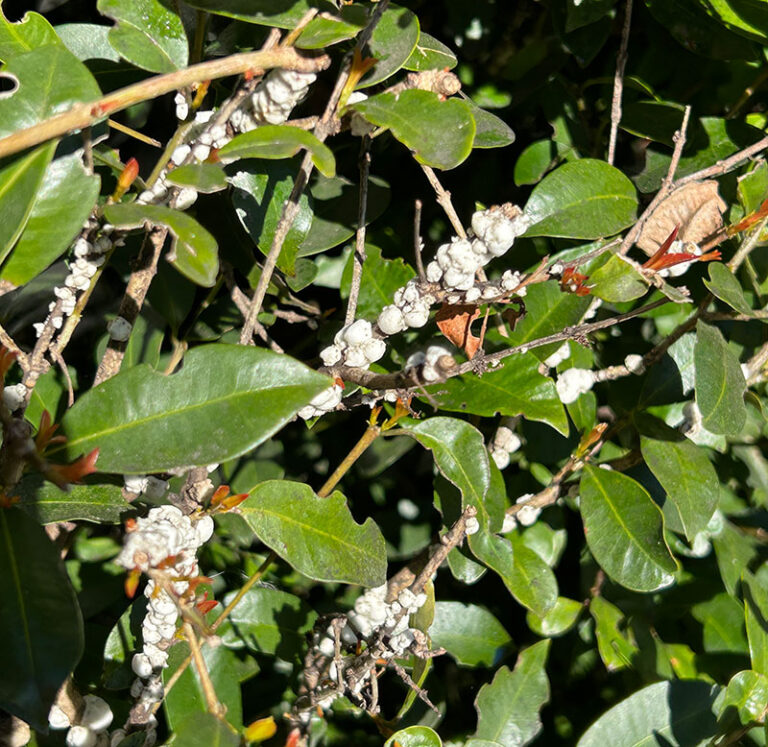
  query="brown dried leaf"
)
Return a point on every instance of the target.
[
  {"x": 695, "y": 208},
  {"x": 455, "y": 323}
]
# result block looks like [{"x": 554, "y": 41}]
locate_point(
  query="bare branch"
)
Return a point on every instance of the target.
[
  {"x": 359, "y": 256},
  {"x": 618, "y": 82}
]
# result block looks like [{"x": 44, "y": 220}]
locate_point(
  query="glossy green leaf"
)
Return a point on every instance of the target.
[
  {"x": 194, "y": 249},
  {"x": 392, "y": 43},
  {"x": 20, "y": 183},
  {"x": 624, "y": 530},
  {"x": 186, "y": 697},
  {"x": 122, "y": 642},
  {"x": 335, "y": 202},
  {"x": 64, "y": 202},
  {"x": 548, "y": 310},
  {"x": 653, "y": 120},
  {"x": 617, "y": 281},
  {"x": 259, "y": 196},
  {"x": 379, "y": 280},
  {"x": 616, "y": 649},
  {"x": 747, "y": 692},
  {"x": 317, "y": 536},
  {"x": 226, "y": 400},
  {"x": 284, "y": 14},
  {"x": 205, "y": 730},
  {"x": 430, "y": 54},
  {"x": 324, "y": 31},
  {"x": 678, "y": 712},
  {"x": 718, "y": 139},
  {"x": 583, "y": 199},
  {"x": 270, "y": 621},
  {"x": 37, "y": 656},
  {"x": 689, "y": 24},
  {"x": 744, "y": 17},
  {"x": 514, "y": 388},
  {"x": 50, "y": 80},
  {"x": 148, "y": 33},
  {"x": 43, "y": 501},
  {"x": 723, "y": 619},
  {"x": 508, "y": 708},
  {"x": 440, "y": 133},
  {"x": 414, "y": 736},
  {"x": 723, "y": 284},
  {"x": 32, "y": 31},
  {"x": 537, "y": 159},
  {"x": 686, "y": 474},
  {"x": 756, "y": 619},
  {"x": 752, "y": 188},
  {"x": 720, "y": 383},
  {"x": 733, "y": 552},
  {"x": 469, "y": 633},
  {"x": 558, "y": 621},
  {"x": 490, "y": 131},
  {"x": 204, "y": 177},
  {"x": 279, "y": 141},
  {"x": 87, "y": 41}
]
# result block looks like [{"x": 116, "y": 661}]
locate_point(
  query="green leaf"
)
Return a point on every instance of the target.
[
  {"x": 379, "y": 281},
  {"x": 586, "y": 12},
  {"x": 187, "y": 698},
  {"x": 392, "y": 43},
  {"x": 686, "y": 474},
  {"x": 50, "y": 80},
  {"x": 537, "y": 159},
  {"x": 32, "y": 31},
  {"x": 723, "y": 619},
  {"x": 490, "y": 131},
  {"x": 430, "y": 54},
  {"x": 723, "y": 284},
  {"x": 440, "y": 133},
  {"x": 414, "y": 736},
  {"x": 720, "y": 383},
  {"x": 327, "y": 30},
  {"x": 62, "y": 205},
  {"x": 37, "y": 655},
  {"x": 335, "y": 202},
  {"x": 284, "y": 14},
  {"x": 744, "y": 17},
  {"x": 508, "y": 708},
  {"x": 558, "y": 621},
  {"x": 261, "y": 190},
  {"x": 204, "y": 730},
  {"x": 317, "y": 536},
  {"x": 747, "y": 691},
  {"x": 469, "y": 633},
  {"x": 654, "y": 120},
  {"x": 617, "y": 281},
  {"x": 194, "y": 249},
  {"x": 548, "y": 310},
  {"x": 147, "y": 33},
  {"x": 226, "y": 400},
  {"x": 87, "y": 41},
  {"x": 583, "y": 199},
  {"x": 756, "y": 619},
  {"x": 279, "y": 141},
  {"x": 689, "y": 24},
  {"x": 514, "y": 388},
  {"x": 20, "y": 183},
  {"x": 271, "y": 622},
  {"x": 625, "y": 530},
  {"x": 204, "y": 177},
  {"x": 103, "y": 504},
  {"x": 733, "y": 551},
  {"x": 616, "y": 649},
  {"x": 752, "y": 188},
  {"x": 123, "y": 640},
  {"x": 677, "y": 712}
]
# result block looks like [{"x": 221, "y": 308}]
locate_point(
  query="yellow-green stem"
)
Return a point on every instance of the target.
[{"x": 370, "y": 435}]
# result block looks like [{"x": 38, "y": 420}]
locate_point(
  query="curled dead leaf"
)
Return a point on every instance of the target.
[
  {"x": 455, "y": 322},
  {"x": 695, "y": 210}
]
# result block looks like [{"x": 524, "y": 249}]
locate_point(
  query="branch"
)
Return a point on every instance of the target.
[
  {"x": 444, "y": 200},
  {"x": 618, "y": 83},
  {"x": 359, "y": 256},
  {"x": 89, "y": 113}
]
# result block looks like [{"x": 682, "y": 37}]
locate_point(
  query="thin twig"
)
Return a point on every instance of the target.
[
  {"x": 133, "y": 299},
  {"x": 726, "y": 165},
  {"x": 209, "y": 692},
  {"x": 747, "y": 246},
  {"x": 618, "y": 82},
  {"x": 82, "y": 115},
  {"x": 417, "y": 243},
  {"x": 371, "y": 434},
  {"x": 666, "y": 185},
  {"x": 444, "y": 200},
  {"x": 359, "y": 256},
  {"x": 9, "y": 343}
]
